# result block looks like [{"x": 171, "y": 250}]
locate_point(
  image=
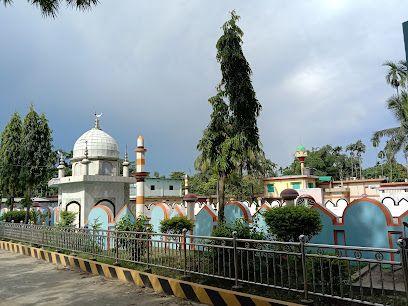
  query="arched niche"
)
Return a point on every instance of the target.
[
  {"x": 101, "y": 214},
  {"x": 329, "y": 220},
  {"x": 366, "y": 223},
  {"x": 75, "y": 207},
  {"x": 236, "y": 210},
  {"x": 205, "y": 221},
  {"x": 158, "y": 212}
]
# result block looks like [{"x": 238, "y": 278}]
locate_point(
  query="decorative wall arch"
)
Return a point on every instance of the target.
[
  {"x": 381, "y": 206},
  {"x": 103, "y": 214},
  {"x": 107, "y": 203},
  {"x": 388, "y": 201},
  {"x": 158, "y": 211},
  {"x": 71, "y": 207},
  {"x": 235, "y": 209},
  {"x": 205, "y": 221}
]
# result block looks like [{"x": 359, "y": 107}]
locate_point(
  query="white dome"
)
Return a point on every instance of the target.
[{"x": 100, "y": 145}]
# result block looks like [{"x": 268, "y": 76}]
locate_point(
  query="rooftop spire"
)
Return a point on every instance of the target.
[{"x": 97, "y": 126}]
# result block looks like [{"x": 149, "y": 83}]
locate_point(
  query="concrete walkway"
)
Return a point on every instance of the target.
[{"x": 27, "y": 281}]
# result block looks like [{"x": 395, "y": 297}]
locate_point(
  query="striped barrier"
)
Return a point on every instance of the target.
[{"x": 181, "y": 289}]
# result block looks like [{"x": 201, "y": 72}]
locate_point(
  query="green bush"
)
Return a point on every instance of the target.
[
  {"x": 67, "y": 219},
  {"x": 243, "y": 229},
  {"x": 289, "y": 222},
  {"x": 175, "y": 225},
  {"x": 141, "y": 224},
  {"x": 17, "y": 216}
]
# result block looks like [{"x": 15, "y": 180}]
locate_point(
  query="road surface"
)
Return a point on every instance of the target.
[{"x": 27, "y": 281}]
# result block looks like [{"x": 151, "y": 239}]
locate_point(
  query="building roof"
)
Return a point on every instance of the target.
[
  {"x": 374, "y": 180},
  {"x": 290, "y": 177}
]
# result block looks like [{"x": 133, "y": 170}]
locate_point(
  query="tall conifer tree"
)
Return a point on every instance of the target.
[
  {"x": 230, "y": 142},
  {"x": 36, "y": 153},
  {"x": 10, "y": 159}
]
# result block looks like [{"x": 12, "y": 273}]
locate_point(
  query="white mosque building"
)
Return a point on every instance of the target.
[{"x": 96, "y": 180}]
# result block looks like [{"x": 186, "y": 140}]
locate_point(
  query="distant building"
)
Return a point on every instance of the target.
[{"x": 159, "y": 189}]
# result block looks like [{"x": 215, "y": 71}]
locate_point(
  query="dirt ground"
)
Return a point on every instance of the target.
[{"x": 28, "y": 281}]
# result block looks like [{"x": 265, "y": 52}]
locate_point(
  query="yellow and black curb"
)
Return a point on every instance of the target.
[{"x": 182, "y": 289}]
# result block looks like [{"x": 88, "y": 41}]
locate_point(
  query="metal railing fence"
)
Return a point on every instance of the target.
[{"x": 350, "y": 273}]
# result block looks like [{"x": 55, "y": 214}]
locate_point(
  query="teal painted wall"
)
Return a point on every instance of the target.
[
  {"x": 99, "y": 214},
  {"x": 203, "y": 223},
  {"x": 232, "y": 213},
  {"x": 326, "y": 235}
]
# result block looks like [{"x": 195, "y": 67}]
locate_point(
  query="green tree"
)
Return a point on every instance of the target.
[
  {"x": 356, "y": 150},
  {"x": 10, "y": 159},
  {"x": 177, "y": 175},
  {"x": 67, "y": 218},
  {"x": 175, "y": 225},
  {"x": 397, "y": 137},
  {"x": 396, "y": 75},
  {"x": 51, "y": 7},
  {"x": 36, "y": 152},
  {"x": 230, "y": 143}
]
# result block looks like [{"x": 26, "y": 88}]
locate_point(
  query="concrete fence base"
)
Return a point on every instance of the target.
[{"x": 182, "y": 289}]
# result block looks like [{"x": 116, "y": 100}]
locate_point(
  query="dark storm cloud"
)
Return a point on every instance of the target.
[{"x": 150, "y": 67}]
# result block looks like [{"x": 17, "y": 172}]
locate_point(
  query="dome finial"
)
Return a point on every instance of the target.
[{"x": 97, "y": 126}]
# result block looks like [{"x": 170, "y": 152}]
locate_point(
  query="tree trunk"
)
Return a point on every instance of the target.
[
  {"x": 11, "y": 199},
  {"x": 27, "y": 216},
  {"x": 221, "y": 198}
]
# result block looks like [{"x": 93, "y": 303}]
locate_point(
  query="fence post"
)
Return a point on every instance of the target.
[
  {"x": 148, "y": 252},
  {"x": 234, "y": 245},
  {"x": 184, "y": 232},
  {"x": 116, "y": 263},
  {"x": 21, "y": 231},
  {"x": 402, "y": 245},
  {"x": 306, "y": 300}
]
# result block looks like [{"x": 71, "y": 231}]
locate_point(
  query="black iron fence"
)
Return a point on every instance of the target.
[{"x": 370, "y": 275}]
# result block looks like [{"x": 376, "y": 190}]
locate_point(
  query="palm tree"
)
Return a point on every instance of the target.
[
  {"x": 397, "y": 136},
  {"x": 396, "y": 75},
  {"x": 50, "y": 7},
  {"x": 381, "y": 156}
]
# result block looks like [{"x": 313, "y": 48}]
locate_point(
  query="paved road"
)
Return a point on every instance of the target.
[{"x": 28, "y": 281}]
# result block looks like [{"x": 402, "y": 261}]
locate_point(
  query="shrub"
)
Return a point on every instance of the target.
[
  {"x": 141, "y": 224},
  {"x": 289, "y": 222},
  {"x": 17, "y": 216},
  {"x": 175, "y": 225},
  {"x": 243, "y": 229},
  {"x": 67, "y": 219}
]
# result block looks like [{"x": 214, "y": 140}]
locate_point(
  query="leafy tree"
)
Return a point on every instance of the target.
[
  {"x": 289, "y": 222},
  {"x": 175, "y": 225},
  {"x": 36, "y": 152},
  {"x": 10, "y": 159},
  {"x": 177, "y": 175},
  {"x": 397, "y": 74},
  {"x": 230, "y": 143},
  {"x": 397, "y": 137},
  {"x": 391, "y": 169},
  {"x": 326, "y": 160},
  {"x": 51, "y": 7},
  {"x": 356, "y": 150}
]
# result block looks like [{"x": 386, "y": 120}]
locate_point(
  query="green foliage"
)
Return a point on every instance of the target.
[
  {"x": 96, "y": 225},
  {"x": 289, "y": 222},
  {"x": 327, "y": 160},
  {"x": 230, "y": 143},
  {"x": 17, "y": 216},
  {"x": 175, "y": 225},
  {"x": 241, "y": 227},
  {"x": 67, "y": 219},
  {"x": 141, "y": 224},
  {"x": 177, "y": 175},
  {"x": 10, "y": 158},
  {"x": 50, "y": 7}
]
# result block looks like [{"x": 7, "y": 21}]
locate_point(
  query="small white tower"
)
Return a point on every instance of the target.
[
  {"x": 61, "y": 166},
  {"x": 125, "y": 165}
]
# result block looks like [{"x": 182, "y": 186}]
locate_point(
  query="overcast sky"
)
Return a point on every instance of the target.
[{"x": 150, "y": 67}]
